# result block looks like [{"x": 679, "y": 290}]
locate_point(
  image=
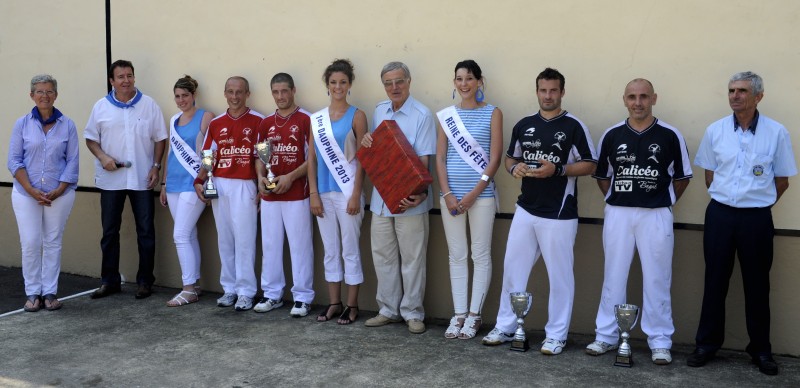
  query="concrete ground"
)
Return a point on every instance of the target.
[{"x": 122, "y": 342}]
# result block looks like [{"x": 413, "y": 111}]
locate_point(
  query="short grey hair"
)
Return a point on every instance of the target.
[
  {"x": 756, "y": 83},
  {"x": 43, "y": 79},
  {"x": 392, "y": 66}
]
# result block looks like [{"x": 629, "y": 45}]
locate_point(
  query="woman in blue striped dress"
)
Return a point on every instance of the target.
[{"x": 466, "y": 173}]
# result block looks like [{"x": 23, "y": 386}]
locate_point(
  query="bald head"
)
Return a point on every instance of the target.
[
  {"x": 639, "y": 98},
  {"x": 642, "y": 81}
]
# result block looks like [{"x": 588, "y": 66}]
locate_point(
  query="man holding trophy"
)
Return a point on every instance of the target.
[
  {"x": 229, "y": 146},
  {"x": 281, "y": 169},
  {"x": 548, "y": 151},
  {"x": 642, "y": 171}
]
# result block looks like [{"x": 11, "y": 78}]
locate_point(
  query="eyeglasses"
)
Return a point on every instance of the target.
[
  {"x": 42, "y": 93},
  {"x": 395, "y": 82}
]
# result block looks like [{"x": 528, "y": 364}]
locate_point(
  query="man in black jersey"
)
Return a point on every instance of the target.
[
  {"x": 642, "y": 170},
  {"x": 548, "y": 151}
]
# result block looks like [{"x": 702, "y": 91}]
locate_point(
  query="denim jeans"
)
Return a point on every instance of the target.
[{"x": 112, "y": 202}]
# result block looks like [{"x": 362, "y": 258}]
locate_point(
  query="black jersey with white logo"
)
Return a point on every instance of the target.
[
  {"x": 642, "y": 165},
  {"x": 562, "y": 140}
]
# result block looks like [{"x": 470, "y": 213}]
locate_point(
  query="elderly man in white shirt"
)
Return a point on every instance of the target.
[{"x": 400, "y": 241}]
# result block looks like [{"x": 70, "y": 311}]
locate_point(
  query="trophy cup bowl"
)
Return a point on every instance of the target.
[
  {"x": 627, "y": 315},
  {"x": 209, "y": 190},
  {"x": 520, "y": 304},
  {"x": 264, "y": 151}
]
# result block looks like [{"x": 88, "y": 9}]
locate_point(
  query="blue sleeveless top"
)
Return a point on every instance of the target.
[
  {"x": 325, "y": 181},
  {"x": 178, "y": 179},
  {"x": 461, "y": 177}
]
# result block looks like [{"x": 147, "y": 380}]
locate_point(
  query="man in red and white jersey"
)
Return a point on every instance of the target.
[
  {"x": 232, "y": 135},
  {"x": 285, "y": 208}
]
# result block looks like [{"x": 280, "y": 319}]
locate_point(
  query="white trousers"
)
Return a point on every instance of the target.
[
  {"x": 481, "y": 220},
  {"x": 340, "y": 234},
  {"x": 529, "y": 237},
  {"x": 236, "y": 217},
  {"x": 293, "y": 217},
  {"x": 399, "y": 253},
  {"x": 186, "y": 209},
  {"x": 649, "y": 230},
  {"x": 41, "y": 229}
]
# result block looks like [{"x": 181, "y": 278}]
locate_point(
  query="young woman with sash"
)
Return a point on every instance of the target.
[
  {"x": 468, "y": 152},
  {"x": 186, "y": 131},
  {"x": 334, "y": 178}
]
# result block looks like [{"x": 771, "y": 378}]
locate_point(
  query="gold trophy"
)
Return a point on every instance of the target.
[
  {"x": 627, "y": 315},
  {"x": 264, "y": 150},
  {"x": 209, "y": 190},
  {"x": 520, "y": 304}
]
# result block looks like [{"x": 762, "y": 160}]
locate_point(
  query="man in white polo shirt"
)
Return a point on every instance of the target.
[{"x": 127, "y": 135}]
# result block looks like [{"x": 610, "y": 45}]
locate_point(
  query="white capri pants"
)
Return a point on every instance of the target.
[
  {"x": 529, "y": 237},
  {"x": 626, "y": 228},
  {"x": 236, "y": 217},
  {"x": 340, "y": 234},
  {"x": 186, "y": 209},
  {"x": 481, "y": 221},
  {"x": 41, "y": 229},
  {"x": 293, "y": 217}
]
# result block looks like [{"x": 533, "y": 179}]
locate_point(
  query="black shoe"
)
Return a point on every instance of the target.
[
  {"x": 700, "y": 357},
  {"x": 105, "y": 290},
  {"x": 144, "y": 291},
  {"x": 766, "y": 364}
]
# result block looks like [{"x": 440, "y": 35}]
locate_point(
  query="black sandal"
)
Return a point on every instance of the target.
[
  {"x": 51, "y": 303},
  {"x": 323, "y": 316},
  {"x": 35, "y": 303},
  {"x": 345, "y": 319}
]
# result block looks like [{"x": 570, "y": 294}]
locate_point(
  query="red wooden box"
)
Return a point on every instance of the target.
[{"x": 393, "y": 166}]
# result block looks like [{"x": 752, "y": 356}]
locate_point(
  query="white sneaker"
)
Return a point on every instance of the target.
[
  {"x": 266, "y": 304},
  {"x": 244, "y": 303},
  {"x": 597, "y": 348},
  {"x": 552, "y": 346},
  {"x": 496, "y": 337},
  {"x": 661, "y": 357},
  {"x": 300, "y": 309},
  {"x": 226, "y": 300}
]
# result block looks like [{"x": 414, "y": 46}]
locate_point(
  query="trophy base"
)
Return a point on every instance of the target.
[
  {"x": 271, "y": 186},
  {"x": 624, "y": 361},
  {"x": 520, "y": 346},
  {"x": 210, "y": 194}
]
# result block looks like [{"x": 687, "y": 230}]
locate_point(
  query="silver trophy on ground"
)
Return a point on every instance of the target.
[
  {"x": 627, "y": 315},
  {"x": 520, "y": 304},
  {"x": 209, "y": 190},
  {"x": 264, "y": 151}
]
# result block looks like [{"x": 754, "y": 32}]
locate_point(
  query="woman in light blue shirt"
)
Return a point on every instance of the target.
[
  {"x": 187, "y": 131},
  {"x": 43, "y": 158},
  {"x": 339, "y": 214}
]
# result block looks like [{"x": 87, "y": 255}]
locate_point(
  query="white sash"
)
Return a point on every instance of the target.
[
  {"x": 183, "y": 151},
  {"x": 467, "y": 147},
  {"x": 329, "y": 151}
]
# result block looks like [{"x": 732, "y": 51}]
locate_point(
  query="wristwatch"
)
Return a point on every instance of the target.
[{"x": 157, "y": 165}]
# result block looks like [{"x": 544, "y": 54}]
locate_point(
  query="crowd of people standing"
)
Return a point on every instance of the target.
[{"x": 310, "y": 171}]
